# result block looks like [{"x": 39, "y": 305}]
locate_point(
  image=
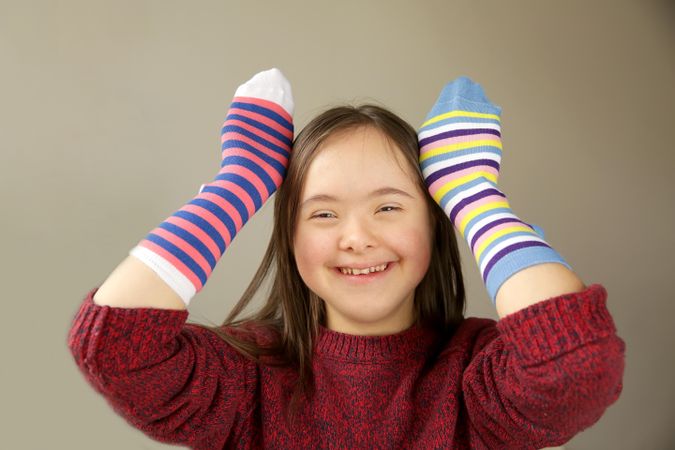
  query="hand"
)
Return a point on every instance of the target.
[
  {"x": 257, "y": 137},
  {"x": 460, "y": 147},
  {"x": 460, "y": 156}
]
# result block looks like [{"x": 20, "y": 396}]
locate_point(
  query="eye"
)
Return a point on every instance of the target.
[
  {"x": 389, "y": 208},
  {"x": 323, "y": 215}
]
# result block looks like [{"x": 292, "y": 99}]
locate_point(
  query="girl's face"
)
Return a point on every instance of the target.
[{"x": 360, "y": 208}]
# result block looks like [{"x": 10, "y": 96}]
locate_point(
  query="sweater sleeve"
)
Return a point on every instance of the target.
[
  {"x": 176, "y": 382},
  {"x": 545, "y": 373}
]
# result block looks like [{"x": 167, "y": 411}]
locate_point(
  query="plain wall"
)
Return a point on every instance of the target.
[{"x": 110, "y": 118}]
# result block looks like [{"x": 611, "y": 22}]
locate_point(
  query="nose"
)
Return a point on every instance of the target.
[{"x": 357, "y": 235}]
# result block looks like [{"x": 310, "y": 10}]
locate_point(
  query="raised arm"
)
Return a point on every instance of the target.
[
  {"x": 556, "y": 363},
  {"x": 182, "y": 251},
  {"x": 534, "y": 284},
  {"x": 546, "y": 372},
  {"x": 460, "y": 157},
  {"x": 179, "y": 383},
  {"x": 135, "y": 285}
]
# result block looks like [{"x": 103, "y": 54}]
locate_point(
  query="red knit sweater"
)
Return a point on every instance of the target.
[{"x": 533, "y": 379}]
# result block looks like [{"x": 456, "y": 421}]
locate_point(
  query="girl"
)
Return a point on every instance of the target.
[{"x": 362, "y": 342}]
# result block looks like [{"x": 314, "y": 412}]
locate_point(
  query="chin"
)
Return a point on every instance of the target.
[{"x": 359, "y": 315}]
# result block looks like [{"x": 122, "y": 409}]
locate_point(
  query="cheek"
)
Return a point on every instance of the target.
[
  {"x": 311, "y": 250},
  {"x": 416, "y": 245}
]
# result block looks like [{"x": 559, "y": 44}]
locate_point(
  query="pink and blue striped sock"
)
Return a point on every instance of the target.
[
  {"x": 460, "y": 156},
  {"x": 256, "y": 137}
]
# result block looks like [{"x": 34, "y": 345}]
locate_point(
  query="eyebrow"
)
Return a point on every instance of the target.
[{"x": 387, "y": 190}]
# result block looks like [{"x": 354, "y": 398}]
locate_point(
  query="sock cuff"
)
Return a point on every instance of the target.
[
  {"x": 516, "y": 261},
  {"x": 167, "y": 272}
]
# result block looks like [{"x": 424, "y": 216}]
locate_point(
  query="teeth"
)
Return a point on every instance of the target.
[{"x": 350, "y": 271}]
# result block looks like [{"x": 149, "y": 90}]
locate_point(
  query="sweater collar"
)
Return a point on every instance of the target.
[{"x": 403, "y": 344}]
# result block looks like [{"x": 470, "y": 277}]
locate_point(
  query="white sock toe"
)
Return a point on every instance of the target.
[{"x": 270, "y": 85}]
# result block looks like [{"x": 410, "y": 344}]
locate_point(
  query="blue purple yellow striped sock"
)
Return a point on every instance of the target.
[
  {"x": 460, "y": 156},
  {"x": 256, "y": 138}
]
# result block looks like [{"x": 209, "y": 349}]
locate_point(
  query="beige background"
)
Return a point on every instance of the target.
[{"x": 110, "y": 117}]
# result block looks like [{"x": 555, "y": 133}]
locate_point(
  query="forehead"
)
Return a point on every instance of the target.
[{"x": 358, "y": 159}]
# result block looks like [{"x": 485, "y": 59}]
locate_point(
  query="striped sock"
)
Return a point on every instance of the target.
[
  {"x": 256, "y": 141},
  {"x": 460, "y": 155}
]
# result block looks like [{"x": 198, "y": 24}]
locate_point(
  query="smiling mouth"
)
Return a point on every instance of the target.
[{"x": 365, "y": 273}]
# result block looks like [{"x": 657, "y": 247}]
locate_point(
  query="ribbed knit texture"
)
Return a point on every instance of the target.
[
  {"x": 460, "y": 155},
  {"x": 256, "y": 142},
  {"x": 534, "y": 379}
]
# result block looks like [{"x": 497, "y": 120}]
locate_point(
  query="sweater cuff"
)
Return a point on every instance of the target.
[
  {"x": 552, "y": 327},
  {"x": 111, "y": 339}
]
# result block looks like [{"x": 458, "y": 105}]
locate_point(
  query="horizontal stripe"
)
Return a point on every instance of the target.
[
  {"x": 266, "y": 104},
  {"x": 208, "y": 228},
  {"x": 177, "y": 237},
  {"x": 470, "y": 200},
  {"x": 460, "y": 146},
  {"x": 259, "y": 172},
  {"x": 265, "y": 111},
  {"x": 222, "y": 215},
  {"x": 258, "y": 186},
  {"x": 461, "y": 166},
  {"x": 508, "y": 250},
  {"x": 449, "y": 180},
  {"x": 500, "y": 244},
  {"x": 262, "y": 119},
  {"x": 234, "y": 176},
  {"x": 488, "y": 226},
  {"x": 430, "y": 165},
  {"x": 493, "y": 198},
  {"x": 448, "y": 203},
  {"x": 497, "y": 233},
  {"x": 460, "y": 113},
  {"x": 469, "y": 189},
  {"x": 237, "y": 190},
  {"x": 458, "y": 125},
  {"x": 271, "y": 166},
  {"x": 443, "y": 143},
  {"x": 258, "y": 132},
  {"x": 200, "y": 234},
  {"x": 282, "y": 156},
  {"x": 218, "y": 200},
  {"x": 460, "y": 181},
  {"x": 178, "y": 258},
  {"x": 463, "y": 220},
  {"x": 429, "y": 169},
  {"x": 482, "y": 219},
  {"x": 456, "y": 133}
]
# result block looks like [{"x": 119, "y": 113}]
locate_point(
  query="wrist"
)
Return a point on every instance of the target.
[
  {"x": 535, "y": 284},
  {"x": 502, "y": 244}
]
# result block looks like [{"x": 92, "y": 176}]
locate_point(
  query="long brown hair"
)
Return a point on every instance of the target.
[{"x": 289, "y": 319}]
